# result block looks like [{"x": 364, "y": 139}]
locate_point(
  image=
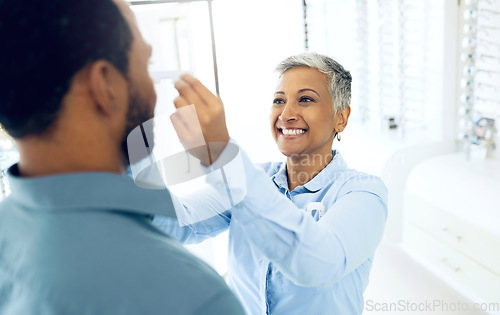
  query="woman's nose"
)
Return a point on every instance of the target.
[{"x": 289, "y": 113}]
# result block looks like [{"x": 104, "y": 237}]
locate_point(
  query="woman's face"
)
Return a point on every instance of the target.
[{"x": 302, "y": 116}]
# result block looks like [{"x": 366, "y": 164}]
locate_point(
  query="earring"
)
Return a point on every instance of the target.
[{"x": 338, "y": 136}]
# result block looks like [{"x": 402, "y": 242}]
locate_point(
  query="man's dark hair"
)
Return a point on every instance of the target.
[{"x": 43, "y": 45}]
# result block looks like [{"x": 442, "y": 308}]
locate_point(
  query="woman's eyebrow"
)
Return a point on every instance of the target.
[
  {"x": 303, "y": 90},
  {"x": 280, "y": 92}
]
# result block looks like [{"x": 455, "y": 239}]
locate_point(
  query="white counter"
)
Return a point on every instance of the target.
[{"x": 469, "y": 190}]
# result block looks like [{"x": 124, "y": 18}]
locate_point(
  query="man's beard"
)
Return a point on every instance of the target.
[{"x": 138, "y": 112}]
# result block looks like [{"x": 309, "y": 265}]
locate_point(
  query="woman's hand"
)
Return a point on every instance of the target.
[{"x": 202, "y": 131}]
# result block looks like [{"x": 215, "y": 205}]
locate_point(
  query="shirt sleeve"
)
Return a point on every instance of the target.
[
  {"x": 203, "y": 204},
  {"x": 310, "y": 252},
  {"x": 199, "y": 231}
]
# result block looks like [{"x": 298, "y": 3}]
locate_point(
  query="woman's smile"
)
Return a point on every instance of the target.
[{"x": 291, "y": 133}]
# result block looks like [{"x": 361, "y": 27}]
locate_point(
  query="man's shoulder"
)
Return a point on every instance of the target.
[
  {"x": 159, "y": 274},
  {"x": 133, "y": 250},
  {"x": 116, "y": 262},
  {"x": 165, "y": 273}
]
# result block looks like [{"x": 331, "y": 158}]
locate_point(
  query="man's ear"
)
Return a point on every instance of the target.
[
  {"x": 342, "y": 118},
  {"x": 104, "y": 80}
]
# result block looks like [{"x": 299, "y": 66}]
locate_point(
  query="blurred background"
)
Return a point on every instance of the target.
[{"x": 425, "y": 113}]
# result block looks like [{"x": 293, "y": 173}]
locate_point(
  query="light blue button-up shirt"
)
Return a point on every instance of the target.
[
  {"x": 284, "y": 258},
  {"x": 84, "y": 243}
]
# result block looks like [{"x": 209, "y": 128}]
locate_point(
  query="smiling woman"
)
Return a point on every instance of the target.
[
  {"x": 303, "y": 238},
  {"x": 304, "y": 118}
]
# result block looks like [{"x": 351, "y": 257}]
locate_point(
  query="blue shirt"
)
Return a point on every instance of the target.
[
  {"x": 84, "y": 243},
  {"x": 284, "y": 258}
]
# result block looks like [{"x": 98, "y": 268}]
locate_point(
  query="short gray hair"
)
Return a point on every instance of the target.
[{"x": 339, "y": 79}]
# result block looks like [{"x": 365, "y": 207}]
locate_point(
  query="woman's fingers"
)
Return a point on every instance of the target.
[
  {"x": 185, "y": 121},
  {"x": 180, "y": 101},
  {"x": 188, "y": 130},
  {"x": 203, "y": 93},
  {"x": 206, "y": 121},
  {"x": 188, "y": 93},
  {"x": 180, "y": 127}
]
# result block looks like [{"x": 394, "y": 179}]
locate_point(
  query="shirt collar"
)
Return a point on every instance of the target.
[
  {"x": 89, "y": 190},
  {"x": 319, "y": 181},
  {"x": 280, "y": 178}
]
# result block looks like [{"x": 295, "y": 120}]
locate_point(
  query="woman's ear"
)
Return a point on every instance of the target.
[{"x": 342, "y": 116}]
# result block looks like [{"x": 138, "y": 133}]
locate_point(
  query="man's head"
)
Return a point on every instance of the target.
[{"x": 58, "y": 55}]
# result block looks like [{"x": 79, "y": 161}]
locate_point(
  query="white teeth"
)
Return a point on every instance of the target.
[{"x": 292, "y": 132}]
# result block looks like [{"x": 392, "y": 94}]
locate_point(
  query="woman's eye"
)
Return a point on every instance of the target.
[
  {"x": 306, "y": 99},
  {"x": 278, "y": 101}
]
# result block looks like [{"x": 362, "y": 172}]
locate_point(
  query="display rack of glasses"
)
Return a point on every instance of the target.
[
  {"x": 402, "y": 41},
  {"x": 387, "y": 55},
  {"x": 341, "y": 30},
  {"x": 388, "y": 51},
  {"x": 479, "y": 107},
  {"x": 362, "y": 33},
  {"x": 413, "y": 33}
]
